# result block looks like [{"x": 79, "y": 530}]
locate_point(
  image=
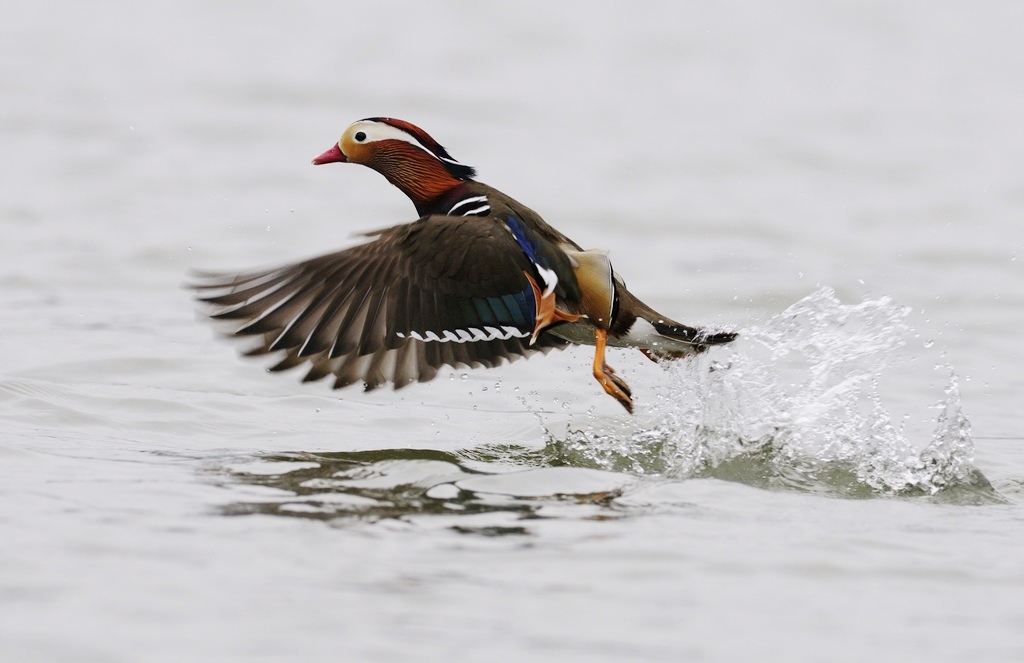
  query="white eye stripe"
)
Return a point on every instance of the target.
[{"x": 380, "y": 131}]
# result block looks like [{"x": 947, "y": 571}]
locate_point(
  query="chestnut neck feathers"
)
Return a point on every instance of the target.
[
  {"x": 417, "y": 174},
  {"x": 407, "y": 156}
]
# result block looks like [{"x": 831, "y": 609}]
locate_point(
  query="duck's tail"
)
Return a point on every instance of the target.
[
  {"x": 675, "y": 341},
  {"x": 692, "y": 335}
]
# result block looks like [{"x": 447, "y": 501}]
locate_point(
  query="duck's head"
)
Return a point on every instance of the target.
[{"x": 401, "y": 152}]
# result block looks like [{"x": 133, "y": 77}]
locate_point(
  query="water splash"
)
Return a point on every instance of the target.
[{"x": 797, "y": 405}]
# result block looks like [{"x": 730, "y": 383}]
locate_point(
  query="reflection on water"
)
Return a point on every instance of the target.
[
  {"x": 408, "y": 483},
  {"x": 516, "y": 484},
  {"x": 804, "y": 414}
]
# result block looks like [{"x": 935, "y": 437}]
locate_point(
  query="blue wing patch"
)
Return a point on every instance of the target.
[
  {"x": 547, "y": 275},
  {"x": 517, "y": 310},
  {"x": 519, "y": 232},
  {"x": 486, "y": 319}
]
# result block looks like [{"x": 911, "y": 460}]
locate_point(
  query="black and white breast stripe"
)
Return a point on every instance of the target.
[{"x": 472, "y": 206}]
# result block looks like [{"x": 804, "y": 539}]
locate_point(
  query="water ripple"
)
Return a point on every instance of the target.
[{"x": 797, "y": 408}]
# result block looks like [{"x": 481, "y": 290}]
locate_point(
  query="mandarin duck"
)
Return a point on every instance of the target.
[{"x": 479, "y": 278}]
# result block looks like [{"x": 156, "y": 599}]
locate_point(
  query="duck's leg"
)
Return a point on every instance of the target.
[{"x": 613, "y": 385}]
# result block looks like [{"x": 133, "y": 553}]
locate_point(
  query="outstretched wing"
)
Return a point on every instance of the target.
[{"x": 440, "y": 291}]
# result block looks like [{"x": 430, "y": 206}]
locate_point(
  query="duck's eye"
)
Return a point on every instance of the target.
[{"x": 360, "y": 136}]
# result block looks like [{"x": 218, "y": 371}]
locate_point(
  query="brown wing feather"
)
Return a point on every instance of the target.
[{"x": 349, "y": 314}]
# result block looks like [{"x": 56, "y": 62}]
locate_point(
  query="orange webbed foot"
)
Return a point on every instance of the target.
[{"x": 612, "y": 384}]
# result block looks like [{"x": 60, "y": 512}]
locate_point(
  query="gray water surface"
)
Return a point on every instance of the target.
[{"x": 841, "y": 182}]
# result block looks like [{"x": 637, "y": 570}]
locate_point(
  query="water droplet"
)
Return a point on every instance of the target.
[
  {"x": 483, "y": 388},
  {"x": 929, "y": 343}
]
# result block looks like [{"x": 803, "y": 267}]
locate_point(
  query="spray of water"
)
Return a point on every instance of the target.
[{"x": 798, "y": 405}]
